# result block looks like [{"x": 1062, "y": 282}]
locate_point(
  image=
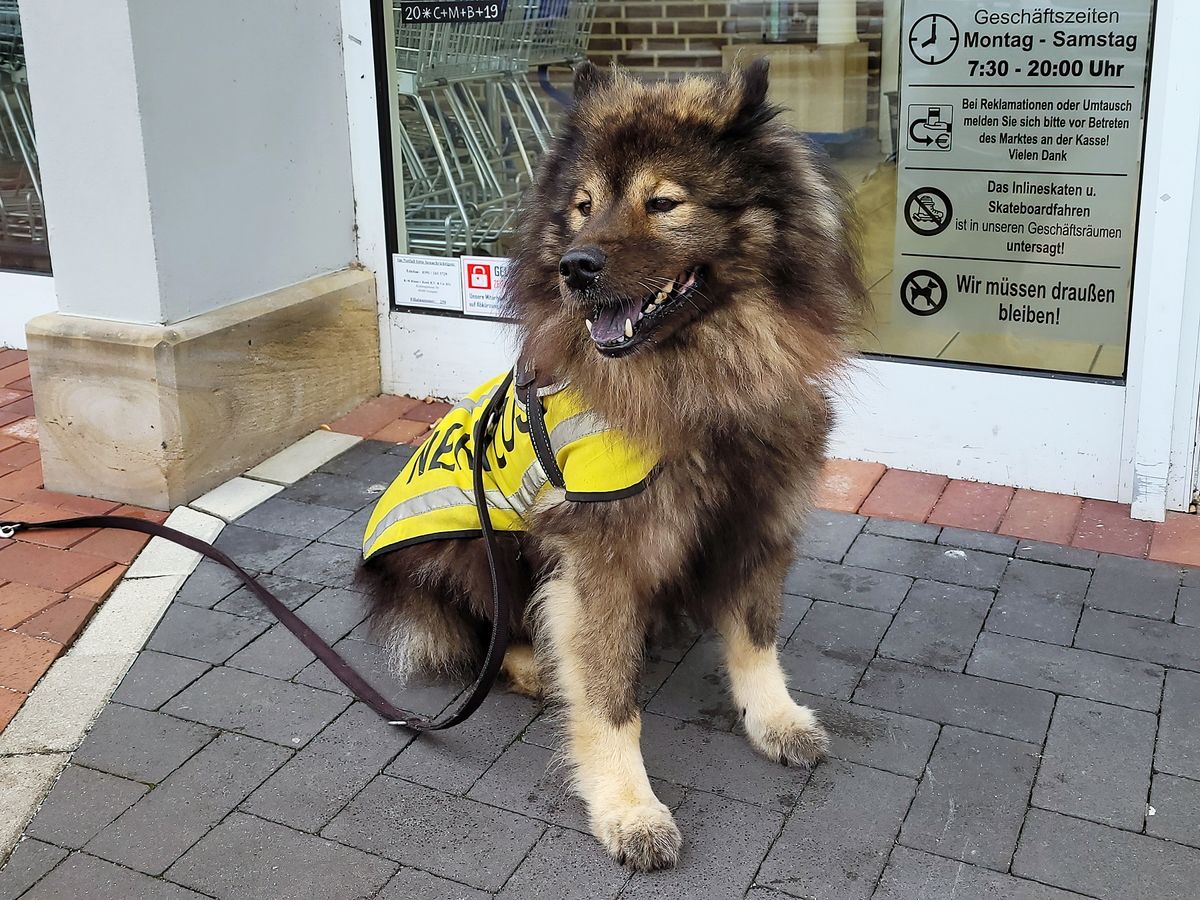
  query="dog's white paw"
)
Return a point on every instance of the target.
[
  {"x": 787, "y": 734},
  {"x": 642, "y": 837}
]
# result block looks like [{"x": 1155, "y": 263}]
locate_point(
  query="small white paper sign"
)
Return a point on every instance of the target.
[
  {"x": 429, "y": 281},
  {"x": 483, "y": 280}
]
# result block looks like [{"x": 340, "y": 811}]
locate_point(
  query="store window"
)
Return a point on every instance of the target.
[
  {"x": 23, "y": 245},
  {"x": 994, "y": 150}
]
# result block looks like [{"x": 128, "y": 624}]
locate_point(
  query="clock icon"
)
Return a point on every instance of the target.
[{"x": 933, "y": 39}]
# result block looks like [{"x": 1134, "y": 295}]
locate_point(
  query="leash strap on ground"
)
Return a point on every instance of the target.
[{"x": 344, "y": 672}]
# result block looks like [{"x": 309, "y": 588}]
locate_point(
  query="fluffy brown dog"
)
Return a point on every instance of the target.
[{"x": 687, "y": 264}]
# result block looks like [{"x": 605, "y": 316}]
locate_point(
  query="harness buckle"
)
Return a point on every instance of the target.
[{"x": 8, "y": 529}]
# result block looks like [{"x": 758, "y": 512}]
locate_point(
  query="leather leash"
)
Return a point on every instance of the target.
[{"x": 344, "y": 672}]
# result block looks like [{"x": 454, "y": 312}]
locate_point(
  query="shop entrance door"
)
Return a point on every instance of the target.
[{"x": 1025, "y": 172}]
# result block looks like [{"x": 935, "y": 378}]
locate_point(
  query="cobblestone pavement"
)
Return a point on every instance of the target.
[{"x": 1009, "y": 720}]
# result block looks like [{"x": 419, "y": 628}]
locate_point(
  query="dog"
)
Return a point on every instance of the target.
[{"x": 686, "y": 286}]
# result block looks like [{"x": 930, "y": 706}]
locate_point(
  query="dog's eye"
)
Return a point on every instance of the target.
[
  {"x": 661, "y": 204},
  {"x": 585, "y": 208}
]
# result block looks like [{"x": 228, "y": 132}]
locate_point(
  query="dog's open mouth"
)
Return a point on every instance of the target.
[{"x": 616, "y": 328}]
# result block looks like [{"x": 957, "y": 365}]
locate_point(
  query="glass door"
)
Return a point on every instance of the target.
[{"x": 995, "y": 152}]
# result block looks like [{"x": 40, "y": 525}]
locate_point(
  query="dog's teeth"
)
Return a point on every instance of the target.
[
  {"x": 589, "y": 325},
  {"x": 628, "y": 328},
  {"x": 662, "y": 296},
  {"x": 667, "y": 288}
]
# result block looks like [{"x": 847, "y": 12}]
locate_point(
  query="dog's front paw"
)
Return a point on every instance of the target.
[
  {"x": 790, "y": 735},
  {"x": 644, "y": 837}
]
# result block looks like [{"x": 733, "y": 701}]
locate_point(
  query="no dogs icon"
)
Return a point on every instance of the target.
[{"x": 924, "y": 293}]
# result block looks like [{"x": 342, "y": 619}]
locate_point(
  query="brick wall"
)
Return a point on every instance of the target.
[{"x": 661, "y": 40}]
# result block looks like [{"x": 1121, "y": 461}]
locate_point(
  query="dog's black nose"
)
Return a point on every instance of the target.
[{"x": 582, "y": 266}]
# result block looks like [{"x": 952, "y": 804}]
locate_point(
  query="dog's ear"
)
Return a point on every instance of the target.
[
  {"x": 753, "y": 109},
  {"x": 589, "y": 77}
]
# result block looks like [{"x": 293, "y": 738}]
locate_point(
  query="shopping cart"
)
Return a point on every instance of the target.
[{"x": 472, "y": 127}]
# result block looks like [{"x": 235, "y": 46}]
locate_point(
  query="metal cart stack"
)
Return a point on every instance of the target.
[
  {"x": 471, "y": 124},
  {"x": 22, "y": 221}
]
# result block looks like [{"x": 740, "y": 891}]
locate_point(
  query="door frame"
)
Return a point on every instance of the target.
[{"x": 1133, "y": 442}]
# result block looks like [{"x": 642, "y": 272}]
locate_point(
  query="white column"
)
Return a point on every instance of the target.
[
  {"x": 193, "y": 154},
  {"x": 837, "y": 22}
]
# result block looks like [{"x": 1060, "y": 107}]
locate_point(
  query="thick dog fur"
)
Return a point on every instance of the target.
[{"x": 732, "y": 391}]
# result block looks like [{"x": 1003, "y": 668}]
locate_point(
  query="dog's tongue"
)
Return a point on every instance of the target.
[{"x": 609, "y": 324}]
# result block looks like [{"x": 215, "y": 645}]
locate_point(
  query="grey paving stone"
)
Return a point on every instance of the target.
[
  {"x": 932, "y": 561},
  {"x": 837, "y": 841},
  {"x": 154, "y": 678},
  {"x": 312, "y": 786},
  {"x": 909, "y": 531},
  {"x": 82, "y": 802},
  {"x": 936, "y": 625},
  {"x": 722, "y": 764},
  {"x": 1164, "y": 643},
  {"x": 723, "y": 842},
  {"x": 972, "y": 798},
  {"x": 1066, "y": 670},
  {"x": 1188, "y": 610},
  {"x": 1136, "y": 586},
  {"x": 453, "y": 760},
  {"x": 1176, "y": 804},
  {"x": 291, "y": 593},
  {"x": 978, "y": 540},
  {"x": 138, "y": 744},
  {"x": 81, "y": 875},
  {"x": 828, "y": 535},
  {"x": 299, "y": 520},
  {"x": 1039, "y": 601},
  {"x": 654, "y": 672},
  {"x": 350, "y": 461},
  {"x": 831, "y": 647},
  {"x": 156, "y": 830},
  {"x": 326, "y": 564},
  {"x": 955, "y": 699},
  {"x": 1191, "y": 577},
  {"x": 30, "y": 860},
  {"x": 917, "y": 875},
  {"x": 333, "y": 614},
  {"x": 852, "y": 586},
  {"x": 279, "y": 711},
  {"x": 419, "y": 694},
  {"x": 351, "y": 492},
  {"x": 675, "y": 643},
  {"x": 533, "y": 781},
  {"x": 1178, "y": 750},
  {"x": 448, "y": 836},
  {"x": 411, "y": 884},
  {"x": 872, "y": 737},
  {"x": 250, "y": 859},
  {"x": 255, "y": 550},
  {"x": 1057, "y": 554},
  {"x": 696, "y": 689},
  {"x": 1096, "y": 763},
  {"x": 209, "y": 583},
  {"x": 349, "y": 533},
  {"x": 203, "y": 634},
  {"x": 568, "y": 865},
  {"x": 1104, "y": 862}
]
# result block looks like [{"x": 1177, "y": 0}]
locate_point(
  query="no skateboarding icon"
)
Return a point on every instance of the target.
[
  {"x": 928, "y": 211},
  {"x": 924, "y": 293}
]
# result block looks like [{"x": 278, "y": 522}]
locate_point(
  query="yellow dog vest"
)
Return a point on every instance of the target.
[{"x": 545, "y": 438}]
